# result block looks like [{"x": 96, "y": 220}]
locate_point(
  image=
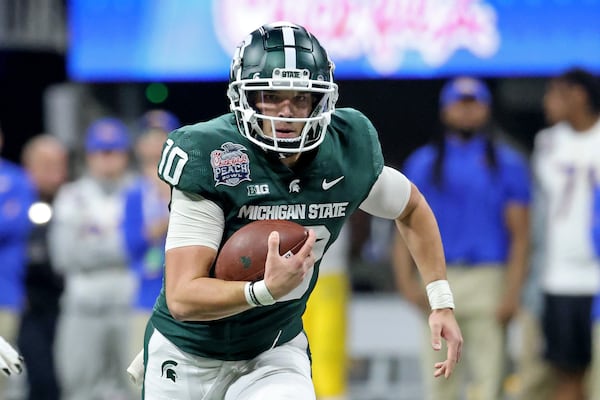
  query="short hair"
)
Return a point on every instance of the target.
[{"x": 587, "y": 81}]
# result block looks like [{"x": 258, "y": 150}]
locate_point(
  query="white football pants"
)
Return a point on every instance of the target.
[{"x": 281, "y": 373}]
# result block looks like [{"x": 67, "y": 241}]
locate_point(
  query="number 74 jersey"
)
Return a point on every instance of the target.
[
  {"x": 214, "y": 160},
  {"x": 566, "y": 165}
]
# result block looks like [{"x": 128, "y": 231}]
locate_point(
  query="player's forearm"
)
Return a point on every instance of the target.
[
  {"x": 420, "y": 232},
  {"x": 205, "y": 299},
  {"x": 191, "y": 294},
  {"x": 403, "y": 265},
  {"x": 518, "y": 254},
  {"x": 516, "y": 269}
]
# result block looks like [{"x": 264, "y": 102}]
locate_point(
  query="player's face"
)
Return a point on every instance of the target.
[
  {"x": 466, "y": 115},
  {"x": 108, "y": 164},
  {"x": 286, "y": 104},
  {"x": 49, "y": 168},
  {"x": 556, "y": 102},
  {"x": 148, "y": 151}
]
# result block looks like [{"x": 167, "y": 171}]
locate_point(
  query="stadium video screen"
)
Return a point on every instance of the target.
[{"x": 184, "y": 40}]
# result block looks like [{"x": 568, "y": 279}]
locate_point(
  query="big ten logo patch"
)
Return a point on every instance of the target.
[{"x": 258, "y": 190}]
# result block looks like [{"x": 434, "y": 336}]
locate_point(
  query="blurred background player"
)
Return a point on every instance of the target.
[
  {"x": 535, "y": 375},
  {"x": 326, "y": 321},
  {"x": 146, "y": 218},
  {"x": 566, "y": 167},
  {"x": 87, "y": 247},
  {"x": 45, "y": 159},
  {"x": 16, "y": 196},
  {"x": 479, "y": 191}
]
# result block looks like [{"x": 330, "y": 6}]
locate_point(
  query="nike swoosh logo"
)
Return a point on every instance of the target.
[{"x": 328, "y": 185}]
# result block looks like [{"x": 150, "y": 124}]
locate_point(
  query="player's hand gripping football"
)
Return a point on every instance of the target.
[
  {"x": 283, "y": 273},
  {"x": 443, "y": 325},
  {"x": 10, "y": 361}
]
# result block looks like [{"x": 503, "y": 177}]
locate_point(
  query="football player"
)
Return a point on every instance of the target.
[
  {"x": 283, "y": 153},
  {"x": 566, "y": 167}
]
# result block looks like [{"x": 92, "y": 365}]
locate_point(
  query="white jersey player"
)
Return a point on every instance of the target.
[{"x": 566, "y": 165}]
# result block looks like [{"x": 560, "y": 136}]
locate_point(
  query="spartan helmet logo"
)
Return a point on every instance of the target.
[
  {"x": 167, "y": 370},
  {"x": 295, "y": 186}
]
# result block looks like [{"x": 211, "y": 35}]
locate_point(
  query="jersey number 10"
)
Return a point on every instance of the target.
[{"x": 171, "y": 163}]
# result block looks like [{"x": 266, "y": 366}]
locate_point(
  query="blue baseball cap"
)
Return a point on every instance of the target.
[
  {"x": 465, "y": 88},
  {"x": 107, "y": 134},
  {"x": 160, "y": 119}
]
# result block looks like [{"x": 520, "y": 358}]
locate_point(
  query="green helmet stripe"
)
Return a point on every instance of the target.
[{"x": 289, "y": 43}]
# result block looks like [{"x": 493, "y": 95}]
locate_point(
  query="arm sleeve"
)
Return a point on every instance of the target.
[
  {"x": 389, "y": 195},
  {"x": 194, "y": 221},
  {"x": 518, "y": 179}
]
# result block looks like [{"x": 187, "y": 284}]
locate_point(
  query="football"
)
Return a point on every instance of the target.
[{"x": 243, "y": 256}]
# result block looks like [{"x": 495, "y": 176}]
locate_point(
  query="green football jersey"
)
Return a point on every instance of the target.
[{"x": 214, "y": 160}]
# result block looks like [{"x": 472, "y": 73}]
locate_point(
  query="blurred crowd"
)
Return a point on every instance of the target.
[{"x": 82, "y": 256}]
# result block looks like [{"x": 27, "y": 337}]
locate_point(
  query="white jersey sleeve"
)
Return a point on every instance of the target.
[
  {"x": 194, "y": 221},
  {"x": 389, "y": 195}
]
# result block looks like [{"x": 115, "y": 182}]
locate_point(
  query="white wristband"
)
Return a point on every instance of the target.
[
  {"x": 248, "y": 294},
  {"x": 262, "y": 294},
  {"x": 257, "y": 294},
  {"x": 440, "y": 295}
]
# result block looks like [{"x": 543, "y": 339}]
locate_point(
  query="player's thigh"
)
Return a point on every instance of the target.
[
  {"x": 173, "y": 374},
  {"x": 282, "y": 373}
]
